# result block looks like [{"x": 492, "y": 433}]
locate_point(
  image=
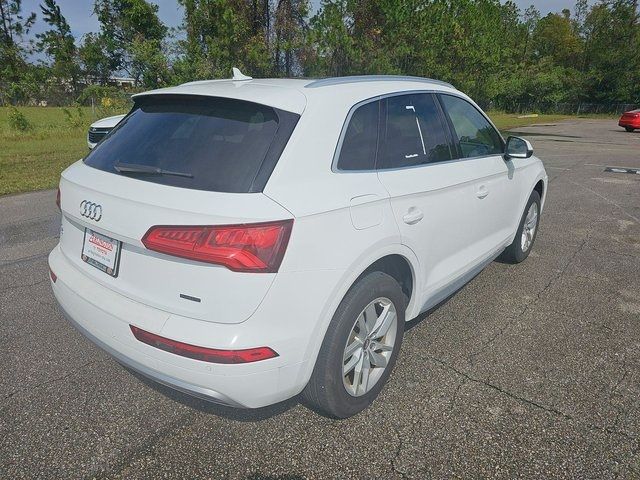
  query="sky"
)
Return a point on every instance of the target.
[{"x": 81, "y": 19}]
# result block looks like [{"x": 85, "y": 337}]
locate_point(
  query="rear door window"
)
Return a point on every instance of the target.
[
  {"x": 201, "y": 143},
  {"x": 476, "y": 136},
  {"x": 413, "y": 133},
  {"x": 358, "y": 149}
]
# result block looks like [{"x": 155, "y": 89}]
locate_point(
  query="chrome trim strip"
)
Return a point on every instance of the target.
[
  {"x": 193, "y": 390},
  {"x": 324, "y": 82}
]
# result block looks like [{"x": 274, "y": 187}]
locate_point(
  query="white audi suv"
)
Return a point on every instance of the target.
[{"x": 247, "y": 240}]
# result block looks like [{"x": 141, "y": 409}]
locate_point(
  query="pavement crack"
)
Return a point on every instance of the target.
[
  {"x": 10, "y": 288},
  {"x": 51, "y": 381},
  {"x": 512, "y": 319},
  {"x": 499, "y": 389},
  {"x": 454, "y": 396},
  {"x": 531, "y": 403},
  {"x": 399, "y": 449},
  {"x": 129, "y": 458}
]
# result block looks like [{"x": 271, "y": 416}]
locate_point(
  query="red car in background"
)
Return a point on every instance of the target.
[{"x": 630, "y": 120}]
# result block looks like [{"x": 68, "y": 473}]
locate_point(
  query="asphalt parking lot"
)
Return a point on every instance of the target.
[{"x": 529, "y": 371}]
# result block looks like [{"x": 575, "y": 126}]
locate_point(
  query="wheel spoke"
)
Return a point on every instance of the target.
[
  {"x": 370, "y": 317},
  {"x": 377, "y": 359},
  {"x": 384, "y": 322},
  {"x": 362, "y": 326},
  {"x": 364, "y": 375},
  {"x": 357, "y": 374},
  {"x": 350, "y": 365},
  {"x": 379, "y": 346},
  {"x": 352, "y": 348}
]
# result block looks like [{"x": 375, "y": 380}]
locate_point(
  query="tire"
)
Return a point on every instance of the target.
[
  {"x": 629, "y": 129},
  {"x": 333, "y": 394},
  {"x": 518, "y": 251}
]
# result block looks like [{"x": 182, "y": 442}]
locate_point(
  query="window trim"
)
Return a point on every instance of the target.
[{"x": 450, "y": 132}]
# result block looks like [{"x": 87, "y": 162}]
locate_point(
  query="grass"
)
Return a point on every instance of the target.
[
  {"x": 33, "y": 160},
  {"x": 507, "y": 121}
]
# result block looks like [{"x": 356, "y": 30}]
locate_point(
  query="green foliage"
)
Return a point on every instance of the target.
[
  {"x": 17, "y": 121},
  {"x": 490, "y": 49},
  {"x": 74, "y": 118},
  {"x": 131, "y": 38},
  {"x": 14, "y": 27}
]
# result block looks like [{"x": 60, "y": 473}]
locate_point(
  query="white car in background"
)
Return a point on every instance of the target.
[
  {"x": 248, "y": 240},
  {"x": 99, "y": 129}
]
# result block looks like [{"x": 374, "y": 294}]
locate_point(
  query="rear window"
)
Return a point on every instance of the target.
[{"x": 201, "y": 143}]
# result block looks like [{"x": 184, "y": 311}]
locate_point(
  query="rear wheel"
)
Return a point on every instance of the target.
[
  {"x": 629, "y": 129},
  {"x": 526, "y": 234},
  {"x": 360, "y": 348}
]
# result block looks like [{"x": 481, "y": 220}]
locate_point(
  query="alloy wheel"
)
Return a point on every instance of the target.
[
  {"x": 369, "y": 346},
  {"x": 529, "y": 227}
]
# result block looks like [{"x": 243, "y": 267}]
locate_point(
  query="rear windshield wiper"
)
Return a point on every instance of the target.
[{"x": 148, "y": 169}]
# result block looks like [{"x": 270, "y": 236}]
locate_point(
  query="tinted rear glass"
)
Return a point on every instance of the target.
[
  {"x": 358, "y": 150},
  {"x": 217, "y": 144}
]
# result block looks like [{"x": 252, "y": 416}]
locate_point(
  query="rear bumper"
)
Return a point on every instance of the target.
[
  {"x": 175, "y": 383},
  {"x": 105, "y": 317},
  {"x": 629, "y": 123}
]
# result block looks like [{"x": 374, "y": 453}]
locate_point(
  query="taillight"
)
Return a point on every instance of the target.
[
  {"x": 53, "y": 276},
  {"x": 257, "y": 247},
  {"x": 204, "y": 354},
  {"x": 58, "y": 199}
]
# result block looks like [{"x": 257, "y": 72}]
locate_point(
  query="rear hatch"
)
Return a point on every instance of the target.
[{"x": 183, "y": 175}]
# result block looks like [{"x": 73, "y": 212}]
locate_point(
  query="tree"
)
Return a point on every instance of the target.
[
  {"x": 612, "y": 43},
  {"x": 59, "y": 45},
  {"x": 290, "y": 26},
  {"x": 132, "y": 36},
  {"x": 555, "y": 37},
  {"x": 17, "y": 78},
  {"x": 221, "y": 34},
  {"x": 94, "y": 61}
]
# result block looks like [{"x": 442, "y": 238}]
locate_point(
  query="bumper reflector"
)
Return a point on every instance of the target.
[
  {"x": 212, "y": 355},
  {"x": 53, "y": 276}
]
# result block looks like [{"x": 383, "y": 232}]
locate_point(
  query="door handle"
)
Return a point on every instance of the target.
[
  {"x": 414, "y": 215},
  {"x": 482, "y": 192}
]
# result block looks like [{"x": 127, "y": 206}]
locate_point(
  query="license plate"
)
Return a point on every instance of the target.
[{"x": 101, "y": 252}]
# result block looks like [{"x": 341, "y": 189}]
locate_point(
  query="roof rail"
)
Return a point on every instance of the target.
[{"x": 325, "y": 82}]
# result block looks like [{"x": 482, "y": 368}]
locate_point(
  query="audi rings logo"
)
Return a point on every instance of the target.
[{"x": 91, "y": 210}]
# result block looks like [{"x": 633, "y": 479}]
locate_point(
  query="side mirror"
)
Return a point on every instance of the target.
[{"x": 518, "y": 148}]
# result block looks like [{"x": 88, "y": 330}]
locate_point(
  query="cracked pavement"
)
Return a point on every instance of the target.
[{"x": 529, "y": 371}]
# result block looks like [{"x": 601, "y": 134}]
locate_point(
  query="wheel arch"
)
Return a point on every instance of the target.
[
  {"x": 540, "y": 187},
  {"x": 387, "y": 259},
  {"x": 399, "y": 268}
]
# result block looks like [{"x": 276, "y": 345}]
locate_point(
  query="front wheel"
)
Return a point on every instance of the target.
[
  {"x": 629, "y": 129},
  {"x": 522, "y": 244},
  {"x": 360, "y": 348}
]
